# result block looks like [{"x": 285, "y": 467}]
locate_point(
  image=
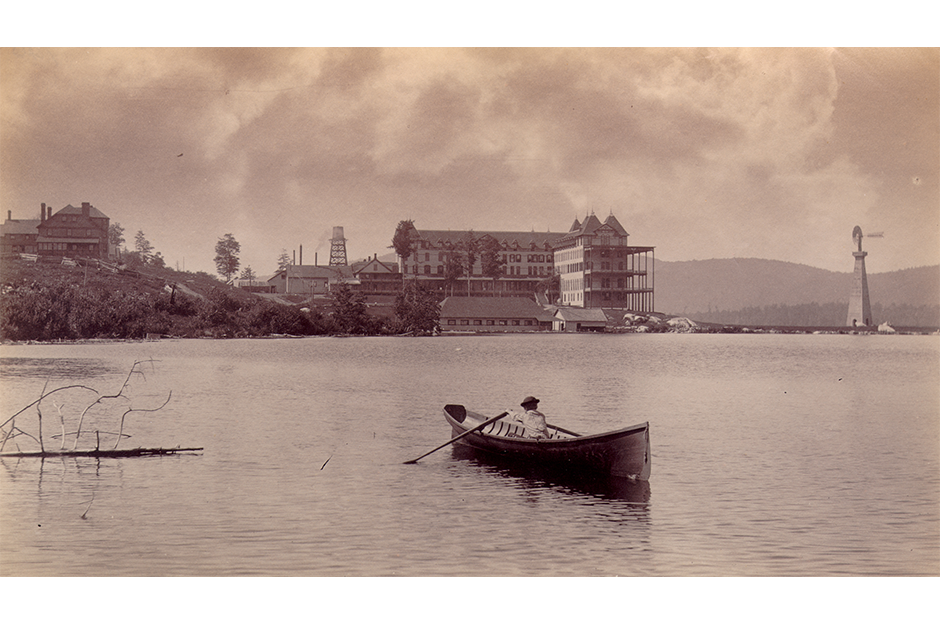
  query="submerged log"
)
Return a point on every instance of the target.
[{"x": 137, "y": 452}]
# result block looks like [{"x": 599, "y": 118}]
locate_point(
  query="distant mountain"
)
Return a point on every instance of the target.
[{"x": 686, "y": 288}]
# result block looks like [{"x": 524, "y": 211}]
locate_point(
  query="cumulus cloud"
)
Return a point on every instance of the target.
[{"x": 703, "y": 153}]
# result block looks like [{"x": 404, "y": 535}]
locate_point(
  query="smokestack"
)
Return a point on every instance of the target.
[
  {"x": 42, "y": 212},
  {"x": 295, "y": 256},
  {"x": 315, "y": 259},
  {"x": 301, "y": 255}
]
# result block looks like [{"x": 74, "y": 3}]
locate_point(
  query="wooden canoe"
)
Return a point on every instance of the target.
[{"x": 621, "y": 453}]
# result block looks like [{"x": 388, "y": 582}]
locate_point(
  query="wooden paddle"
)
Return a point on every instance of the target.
[{"x": 455, "y": 438}]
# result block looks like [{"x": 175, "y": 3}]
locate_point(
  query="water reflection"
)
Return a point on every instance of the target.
[
  {"x": 55, "y": 368},
  {"x": 534, "y": 476}
]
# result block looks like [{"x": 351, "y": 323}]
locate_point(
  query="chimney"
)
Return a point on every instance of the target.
[
  {"x": 48, "y": 212},
  {"x": 9, "y": 215},
  {"x": 42, "y": 213},
  {"x": 295, "y": 257},
  {"x": 314, "y": 258},
  {"x": 86, "y": 209},
  {"x": 301, "y": 255}
]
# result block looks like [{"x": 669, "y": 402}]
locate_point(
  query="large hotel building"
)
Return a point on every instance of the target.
[{"x": 596, "y": 266}]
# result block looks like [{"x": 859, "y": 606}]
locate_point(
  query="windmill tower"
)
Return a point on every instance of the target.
[
  {"x": 859, "y": 303},
  {"x": 338, "y": 247}
]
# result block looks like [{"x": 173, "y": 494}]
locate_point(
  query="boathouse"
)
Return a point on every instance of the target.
[
  {"x": 494, "y": 314},
  {"x": 579, "y": 320}
]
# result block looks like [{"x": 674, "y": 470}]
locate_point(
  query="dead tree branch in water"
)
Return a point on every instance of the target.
[
  {"x": 78, "y": 432},
  {"x": 15, "y": 431}
]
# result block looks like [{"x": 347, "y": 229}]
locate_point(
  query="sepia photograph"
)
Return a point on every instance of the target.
[{"x": 470, "y": 312}]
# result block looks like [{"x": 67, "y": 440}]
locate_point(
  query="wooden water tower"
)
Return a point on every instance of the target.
[{"x": 338, "y": 247}]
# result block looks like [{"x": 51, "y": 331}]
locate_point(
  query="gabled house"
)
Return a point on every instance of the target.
[
  {"x": 299, "y": 279},
  {"x": 377, "y": 278},
  {"x": 18, "y": 235},
  {"x": 496, "y": 314},
  {"x": 73, "y": 232}
]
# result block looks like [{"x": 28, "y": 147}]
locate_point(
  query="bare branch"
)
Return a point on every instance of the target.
[
  {"x": 51, "y": 392},
  {"x": 121, "y": 430},
  {"x": 120, "y": 392},
  {"x": 39, "y": 413},
  {"x": 89, "y": 505}
]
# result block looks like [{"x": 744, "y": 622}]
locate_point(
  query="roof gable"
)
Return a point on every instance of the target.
[
  {"x": 612, "y": 222},
  {"x": 583, "y": 315},
  {"x": 375, "y": 266},
  {"x": 93, "y": 212}
]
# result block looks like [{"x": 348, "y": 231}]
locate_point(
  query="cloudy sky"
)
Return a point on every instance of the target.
[{"x": 703, "y": 153}]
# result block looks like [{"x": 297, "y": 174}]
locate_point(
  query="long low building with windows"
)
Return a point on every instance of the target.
[{"x": 494, "y": 314}]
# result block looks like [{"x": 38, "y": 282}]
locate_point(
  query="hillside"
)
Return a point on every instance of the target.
[
  {"x": 686, "y": 288},
  {"x": 53, "y": 301}
]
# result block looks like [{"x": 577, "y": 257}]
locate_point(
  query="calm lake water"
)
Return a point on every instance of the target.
[{"x": 772, "y": 455}]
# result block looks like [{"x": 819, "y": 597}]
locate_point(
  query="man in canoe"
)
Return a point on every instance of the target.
[{"x": 532, "y": 419}]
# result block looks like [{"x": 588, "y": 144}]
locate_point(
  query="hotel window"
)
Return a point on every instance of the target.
[
  {"x": 477, "y": 322},
  {"x": 502, "y": 322},
  {"x": 427, "y": 269},
  {"x": 490, "y": 322},
  {"x": 464, "y": 321}
]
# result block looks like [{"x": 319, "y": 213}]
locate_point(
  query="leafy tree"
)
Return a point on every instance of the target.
[
  {"x": 492, "y": 260},
  {"x": 143, "y": 247},
  {"x": 226, "y": 256},
  {"x": 470, "y": 248},
  {"x": 157, "y": 260},
  {"x": 116, "y": 235},
  {"x": 350, "y": 312},
  {"x": 551, "y": 286},
  {"x": 453, "y": 269},
  {"x": 404, "y": 239},
  {"x": 417, "y": 310},
  {"x": 248, "y": 274},
  {"x": 283, "y": 260}
]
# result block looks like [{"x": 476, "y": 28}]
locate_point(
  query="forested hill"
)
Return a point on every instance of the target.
[{"x": 703, "y": 287}]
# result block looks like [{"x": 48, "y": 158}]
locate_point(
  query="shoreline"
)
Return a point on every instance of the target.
[{"x": 810, "y": 331}]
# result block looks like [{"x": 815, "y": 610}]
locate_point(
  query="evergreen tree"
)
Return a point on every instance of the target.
[
  {"x": 283, "y": 260},
  {"x": 143, "y": 247}
]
